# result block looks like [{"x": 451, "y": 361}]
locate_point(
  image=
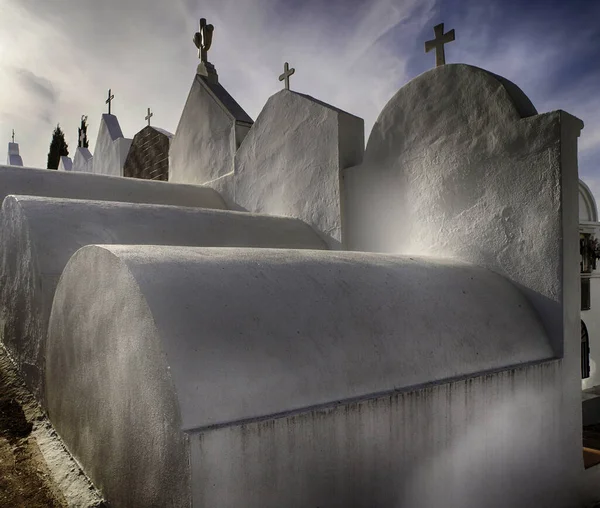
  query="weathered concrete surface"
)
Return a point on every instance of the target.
[
  {"x": 39, "y": 235},
  {"x": 111, "y": 148},
  {"x": 83, "y": 160},
  {"x": 211, "y": 128},
  {"x": 60, "y": 184},
  {"x": 290, "y": 162},
  {"x": 220, "y": 328},
  {"x": 491, "y": 441}
]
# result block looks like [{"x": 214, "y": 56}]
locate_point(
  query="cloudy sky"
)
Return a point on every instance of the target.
[{"x": 59, "y": 57}]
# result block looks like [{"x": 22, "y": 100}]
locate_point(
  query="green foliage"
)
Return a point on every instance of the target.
[{"x": 58, "y": 147}]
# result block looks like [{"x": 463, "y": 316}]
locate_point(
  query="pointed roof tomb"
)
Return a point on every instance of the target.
[
  {"x": 212, "y": 125},
  {"x": 13, "y": 158},
  {"x": 111, "y": 146},
  {"x": 287, "y": 163},
  {"x": 148, "y": 156},
  {"x": 65, "y": 164},
  {"x": 83, "y": 161}
]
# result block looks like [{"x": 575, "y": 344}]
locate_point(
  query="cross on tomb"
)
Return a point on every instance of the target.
[
  {"x": 13, "y": 136},
  {"x": 150, "y": 115},
  {"x": 438, "y": 43},
  {"x": 109, "y": 100},
  {"x": 81, "y": 137},
  {"x": 287, "y": 72},
  {"x": 203, "y": 39}
]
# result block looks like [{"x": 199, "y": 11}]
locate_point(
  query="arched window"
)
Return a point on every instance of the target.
[{"x": 585, "y": 352}]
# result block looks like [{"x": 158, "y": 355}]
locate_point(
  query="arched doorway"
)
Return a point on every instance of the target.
[{"x": 585, "y": 352}]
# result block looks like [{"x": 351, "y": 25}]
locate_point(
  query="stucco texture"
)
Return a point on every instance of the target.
[
  {"x": 39, "y": 235},
  {"x": 459, "y": 164},
  {"x": 290, "y": 161},
  {"x": 111, "y": 148},
  {"x": 207, "y": 136},
  {"x": 62, "y": 184},
  {"x": 307, "y": 328}
]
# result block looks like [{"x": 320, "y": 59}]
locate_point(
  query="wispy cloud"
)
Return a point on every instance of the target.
[
  {"x": 353, "y": 54},
  {"x": 143, "y": 50}
]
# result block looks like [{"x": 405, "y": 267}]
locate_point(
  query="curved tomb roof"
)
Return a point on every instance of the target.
[
  {"x": 78, "y": 185},
  {"x": 249, "y": 333},
  {"x": 38, "y": 236}
]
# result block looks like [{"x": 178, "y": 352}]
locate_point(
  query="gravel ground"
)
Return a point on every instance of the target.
[{"x": 36, "y": 470}]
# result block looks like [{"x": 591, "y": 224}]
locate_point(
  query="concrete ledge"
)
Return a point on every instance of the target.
[{"x": 39, "y": 235}]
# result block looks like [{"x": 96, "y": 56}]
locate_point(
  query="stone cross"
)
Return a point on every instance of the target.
[
  {"x": 109, "y": 100},
  {"x": 150, "y": 115},
  {"x": 438, "y": 43},
  {"x": 13, "y": 136},
  {"x": 203, "y": 40},
  {"x": 287, "y": 72}
]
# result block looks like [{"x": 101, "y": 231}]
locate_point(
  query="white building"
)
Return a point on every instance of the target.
[{"x": 589, "y": 230}]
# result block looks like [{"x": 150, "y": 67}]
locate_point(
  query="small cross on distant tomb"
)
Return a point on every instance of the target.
[
  {"x": 438, "y": 43},
  {"x": 13, "y": 135},
  {"x": 109, "y": 100},
  {"x": 150, "y": 115},
  {"x": 287, "y": 72},
  {"x": 203, "y": 40}
]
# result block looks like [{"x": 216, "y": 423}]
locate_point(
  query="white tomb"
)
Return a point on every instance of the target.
[
  {"x": 277, "y": 165},
  {"x": 111, "y": 147},
  {"x": 443, "y": 372},
  {"x": 83, "y": 162},
  {"x": 65, "y": 163},
  {"x": 13, "y": 158},
  {"x": 211, "y": 128}
]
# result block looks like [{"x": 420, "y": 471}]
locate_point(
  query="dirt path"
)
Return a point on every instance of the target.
[{"x": 36, "y": 471}]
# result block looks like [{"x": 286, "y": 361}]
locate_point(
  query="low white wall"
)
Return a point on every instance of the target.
[
  {"x": 39, "y": 235},
  {"x": 251, "y": 333}
]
